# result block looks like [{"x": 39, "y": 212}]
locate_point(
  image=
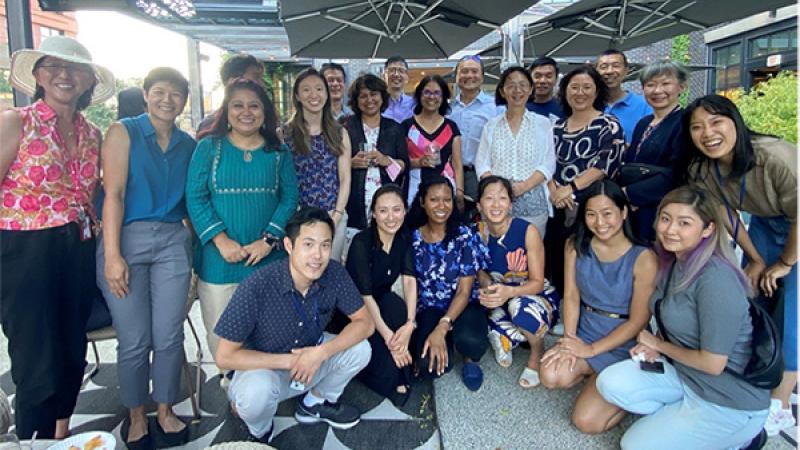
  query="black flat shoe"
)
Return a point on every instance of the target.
[
  {"x": 400, "y": 399},
  {"x": 174, "y": 439},
  {"x": 144, "y": 443}
]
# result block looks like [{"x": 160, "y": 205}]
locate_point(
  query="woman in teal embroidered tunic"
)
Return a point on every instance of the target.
[{"x": 240, "y": 192}]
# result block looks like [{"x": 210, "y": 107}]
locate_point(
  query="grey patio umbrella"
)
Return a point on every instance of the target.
[
  {"x": 588, "y": 27},
  {"x": 384, "y": 28}
]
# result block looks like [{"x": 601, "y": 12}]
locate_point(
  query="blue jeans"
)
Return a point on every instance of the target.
[
  {"x": 674, "y": 416},
  {"x": 769, "y": 237}
]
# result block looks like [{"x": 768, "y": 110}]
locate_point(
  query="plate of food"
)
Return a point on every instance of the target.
[{"x": 91, "y": 440}]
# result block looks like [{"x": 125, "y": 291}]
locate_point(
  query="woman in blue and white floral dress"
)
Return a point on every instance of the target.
[
  {"x": 522, "y": 304},
  {"x": 447, "y": 258}
]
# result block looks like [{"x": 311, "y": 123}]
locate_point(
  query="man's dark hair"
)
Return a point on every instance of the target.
[
  {"x": 333, "y": 66},
  {"x": 237, "y": 65},
  {"x": 613, "y": 51},
  {"x": 395, "y": 59},
  {"x": 544, "y": 61},
  {"x": 307, "y": 215}
]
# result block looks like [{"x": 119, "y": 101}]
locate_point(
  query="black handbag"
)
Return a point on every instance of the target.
[
  {"x": 631, "y": 173},
  {"x": 765, "y": 368}
]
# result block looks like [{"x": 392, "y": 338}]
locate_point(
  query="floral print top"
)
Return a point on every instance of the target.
[
  {"x": 317, "y": 175},
  {"x": 439, "y": 267},
  {"x": 45, "y": 187}
]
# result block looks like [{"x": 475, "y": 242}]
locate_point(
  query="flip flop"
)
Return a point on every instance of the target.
[
  {"x": 529, "y": 378},
  {"x": 472, "y": 376}
]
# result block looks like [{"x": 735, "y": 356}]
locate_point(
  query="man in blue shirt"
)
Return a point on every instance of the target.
[
  {"x": 626, "y": 106},
  {"x": 470, "y": 110},
  {"x": 395, "y": 73},
  {"x": 544, "y": 72},
  {"x": 272, "y": 335}
]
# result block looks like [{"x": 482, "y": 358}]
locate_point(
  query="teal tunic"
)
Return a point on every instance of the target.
[{"x": 224, "y": 192}]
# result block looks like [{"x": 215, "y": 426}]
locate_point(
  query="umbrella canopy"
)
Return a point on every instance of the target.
[
  {"x": 589, "y": 27},
  {"x": 385, "y": 28}
]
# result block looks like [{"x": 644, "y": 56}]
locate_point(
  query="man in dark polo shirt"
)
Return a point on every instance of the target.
[{"x": 272, "y": 333}]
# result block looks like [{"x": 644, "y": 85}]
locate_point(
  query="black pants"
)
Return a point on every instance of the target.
[
  {"x": 48, "y": 279},
  {"x": 557, "y": 234},
  {"x": 381, "y": 374},
  {"x": 469, "y": 336}
]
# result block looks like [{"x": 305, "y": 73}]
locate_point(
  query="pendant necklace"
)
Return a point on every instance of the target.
[{"x": 248, "y": 155}]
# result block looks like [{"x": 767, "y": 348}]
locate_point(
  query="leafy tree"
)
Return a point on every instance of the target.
[
  {"x": 680, "y": 54},
  {"x": 771, "y": 106}
]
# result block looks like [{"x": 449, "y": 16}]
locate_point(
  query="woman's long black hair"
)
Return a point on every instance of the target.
[
  {"x": 583, "y": 236},
  {"x": 417, "y": 217}
]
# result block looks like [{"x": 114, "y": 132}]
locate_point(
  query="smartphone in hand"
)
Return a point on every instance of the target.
[{"x": 655, "y": 366}]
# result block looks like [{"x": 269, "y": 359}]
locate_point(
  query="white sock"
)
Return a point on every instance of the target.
[{"x": 312, "y": 400}]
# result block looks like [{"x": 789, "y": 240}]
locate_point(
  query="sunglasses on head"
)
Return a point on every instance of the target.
[{"x": 475, "y": 58}]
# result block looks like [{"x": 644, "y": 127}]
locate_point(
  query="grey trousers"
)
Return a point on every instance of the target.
[
  {"x": 150, "y": 318},
  {"x": 257, "y": 393}
]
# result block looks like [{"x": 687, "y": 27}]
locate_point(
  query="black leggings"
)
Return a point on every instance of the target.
[
  {"x": 469, "y": 336},
  {"x": 557, "y": 234},
  {"x": 48, "y": 280}
]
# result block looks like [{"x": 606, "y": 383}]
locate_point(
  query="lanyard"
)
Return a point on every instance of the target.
[
  {"x": 301, "y": 314},
  {"x": 727, "y": 206}
]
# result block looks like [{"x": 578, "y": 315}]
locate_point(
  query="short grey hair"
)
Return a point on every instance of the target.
[{"x": 665, "y": 67}]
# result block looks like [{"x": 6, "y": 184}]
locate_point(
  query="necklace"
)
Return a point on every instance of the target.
[{"x": 248, "y": 156}]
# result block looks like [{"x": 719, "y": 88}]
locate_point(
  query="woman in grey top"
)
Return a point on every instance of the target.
[{"x": 694, "y": 403}]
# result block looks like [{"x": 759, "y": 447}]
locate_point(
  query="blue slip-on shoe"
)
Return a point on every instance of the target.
[{"x": 472, "y": 375}]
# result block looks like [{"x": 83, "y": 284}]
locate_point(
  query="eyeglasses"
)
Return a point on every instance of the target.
[
  {"x": 400, "y": 70},
  {"x": 516, "y": 86},
  {"x": 432, "y": 94},
  {"x": 55, "y": 68}
]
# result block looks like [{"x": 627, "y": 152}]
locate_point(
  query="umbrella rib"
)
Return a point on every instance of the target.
[
  {"x": 426, "y": 34},
  {"x": 599, "y": 25},
  {"x": 356, "y": 25},
  {"x": 378, "y": 15},
  {"x": 621, "y": 17},
  {"x": 425, "y": 13},
  {"x": 671, "y": 15},
  {"x": 646, "y": 18},
  {"x": 587, "y": 33},
  {"x": 340, "y": 28},
  {"x": 321, "y": 12},
  {"x": 574, "y": 36}
]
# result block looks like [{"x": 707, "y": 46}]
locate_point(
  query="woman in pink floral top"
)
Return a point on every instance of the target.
[{"x": 49, "y": 166}]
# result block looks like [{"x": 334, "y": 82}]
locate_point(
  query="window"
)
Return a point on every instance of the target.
[
  {"x": 780, "y": 41},
  {"x": 46, "y": 32},
  {"x": 729, "y": 60}
]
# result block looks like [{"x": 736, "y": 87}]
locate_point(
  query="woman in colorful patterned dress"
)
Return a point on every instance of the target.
[
  {"x": 49, "y": 168},
  {"x": 447, "y": 258},
  {"x": 321, "y": 150},
  {"x": 608, "y": 283},
  {"x": 522, "y": 305}
]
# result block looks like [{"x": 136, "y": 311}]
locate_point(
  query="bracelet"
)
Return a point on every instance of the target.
[
  {"x": 783, "y": 261},
  {"x": 448, "y": 321},
  {"x": 413, "y": 323},
  {"x": 336, "y": 211}
]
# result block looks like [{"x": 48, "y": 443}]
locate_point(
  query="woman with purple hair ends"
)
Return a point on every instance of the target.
[{"x": 681, "y": 380}]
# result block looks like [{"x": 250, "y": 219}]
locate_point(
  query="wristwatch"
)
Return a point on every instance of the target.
[
  {"x": 270, "y": 240},
  {"x": 449, "y": 322}
]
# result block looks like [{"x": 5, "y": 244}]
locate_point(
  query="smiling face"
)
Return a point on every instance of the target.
[
  {"x": 310, "y": 253},
  {"x": 517, "y": 89},
  {"x": 165, "y": 101},
  {"x": 335, "y": 79},
  {"x": 63, "y": 81},
  {"x": 713, "y": 134},
  {"x": 431, "y": 97},
  {"x": 680, "y": 229},
  {"x": 311, "y": 94},
  {"x": 544, "y": 80},
  {"x": 396, "y": 76},
  {"x": 662, "y": 92},
  {"x": 604, "y": 218},
  {"x": 495, "y": 204},
  {"x": 245, "y": 112},
  {"x": 581, "y": 92},
  {"x": 389, "y": 213},
  {"x": 469, "y": 76},
  {"x": 369, "y": 102},
  {"x": 613, "y": 69},
  {"x": 438, "y": 204}
]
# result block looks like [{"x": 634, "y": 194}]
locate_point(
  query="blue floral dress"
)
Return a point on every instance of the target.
[
  {"x": 317, "y": 175},
  {"x": 439, "y": 266}
]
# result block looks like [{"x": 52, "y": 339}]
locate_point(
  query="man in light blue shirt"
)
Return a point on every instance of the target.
[
  {"x": 626, "y": 106},
  {"x": 470, "y": 110},
  {"x": 337, "y": 84},
  {"x": 401, "y": 105}
]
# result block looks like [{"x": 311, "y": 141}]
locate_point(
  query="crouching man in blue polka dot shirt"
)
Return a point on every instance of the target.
[{"x": 272, "y": 333}]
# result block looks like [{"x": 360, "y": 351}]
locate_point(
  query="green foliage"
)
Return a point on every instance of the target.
[
  {"x": 104, "y": 114},
  {"x": 680, "y": 54},
  {"x": 5, "y": 86},
  {"x": 771, "y": 106}
]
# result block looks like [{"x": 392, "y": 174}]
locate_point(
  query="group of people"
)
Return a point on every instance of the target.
[{"x": 378, "y": 237}]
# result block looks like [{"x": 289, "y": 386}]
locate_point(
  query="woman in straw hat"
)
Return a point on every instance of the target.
[{"x": 49, "y": 167}]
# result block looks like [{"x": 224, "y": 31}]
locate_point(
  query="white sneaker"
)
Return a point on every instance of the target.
[
  {"x": 501, "y": 355},
  {"x": 778, "y": 419}
]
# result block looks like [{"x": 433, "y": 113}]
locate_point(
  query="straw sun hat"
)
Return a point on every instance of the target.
[{"x": 61, "y": 47}]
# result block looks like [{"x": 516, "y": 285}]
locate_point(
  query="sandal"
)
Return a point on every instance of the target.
[
  {"x": 529, "y": 378},
  {"x": 472, "y": 376},
  {"x": 502, "y": 349}
]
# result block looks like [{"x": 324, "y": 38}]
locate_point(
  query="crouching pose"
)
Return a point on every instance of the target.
[{"x": 272, "y": 333}]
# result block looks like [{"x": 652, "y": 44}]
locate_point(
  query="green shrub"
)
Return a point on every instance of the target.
[{"x": 771, "y": 106}]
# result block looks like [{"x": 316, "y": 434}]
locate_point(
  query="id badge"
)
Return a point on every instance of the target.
[{"x": 85, "y": 224}]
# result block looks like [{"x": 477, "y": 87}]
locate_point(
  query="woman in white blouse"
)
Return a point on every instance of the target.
[{"x": 518, "y": 145}]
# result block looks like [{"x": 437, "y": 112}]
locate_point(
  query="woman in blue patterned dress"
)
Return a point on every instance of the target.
[
  {"x": 608, "y": 283},
  {"x": 321, "y": 149},
  {"x": 447, "y": 258},
  {"x": 522, "y": 305}
]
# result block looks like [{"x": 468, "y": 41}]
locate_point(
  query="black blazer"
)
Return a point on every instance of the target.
[{"x": 392, "y": 143}]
